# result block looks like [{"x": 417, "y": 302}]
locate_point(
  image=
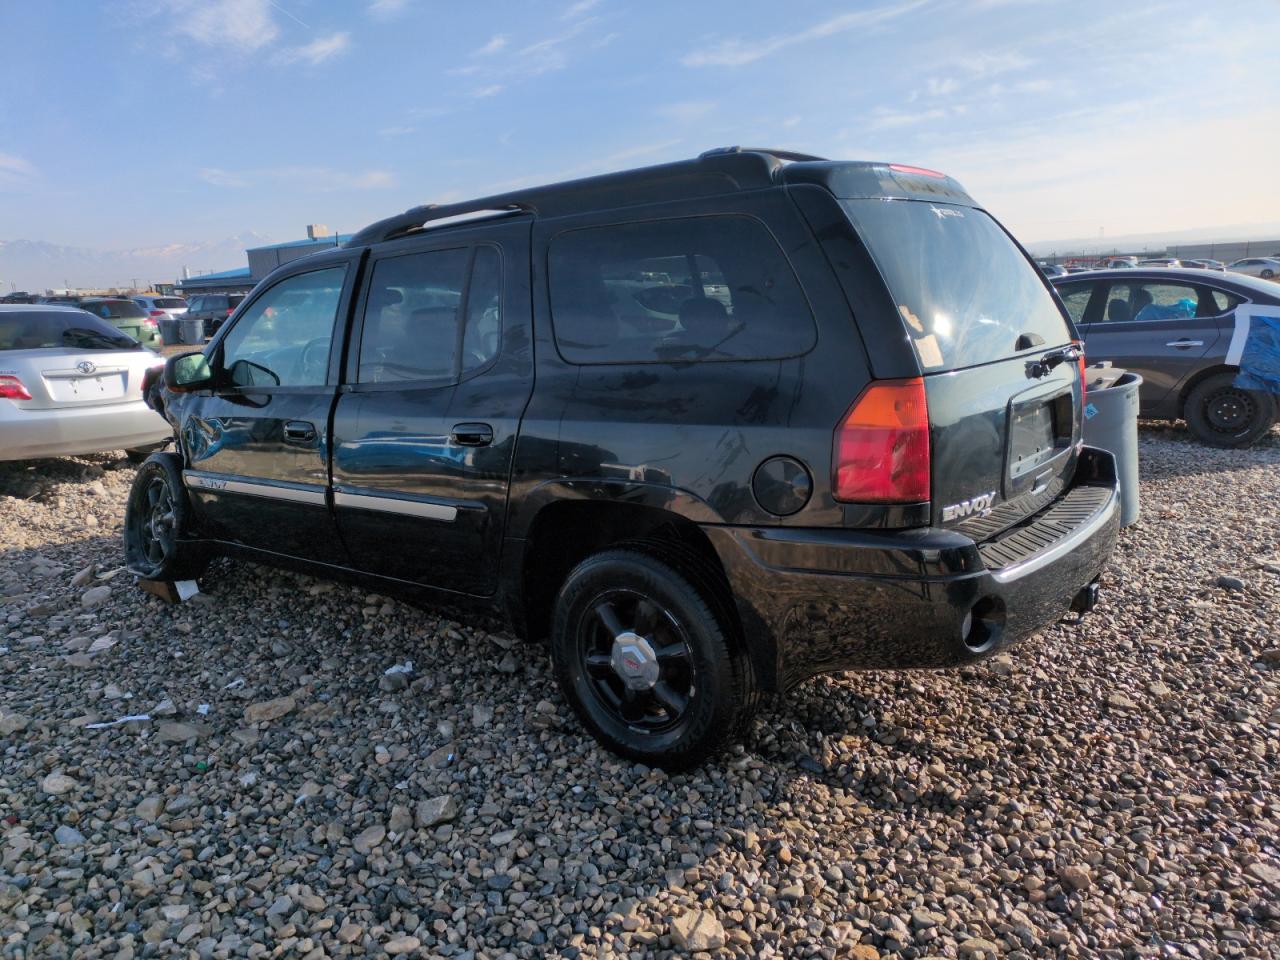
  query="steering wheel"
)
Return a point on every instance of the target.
[{"x": 313, "y": 361}]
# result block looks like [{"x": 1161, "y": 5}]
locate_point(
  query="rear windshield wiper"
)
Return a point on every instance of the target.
[{"x": 93, "y": 339}]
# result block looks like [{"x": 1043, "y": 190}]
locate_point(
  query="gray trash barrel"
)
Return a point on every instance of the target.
[
  {"x": 1111, "y": 423},
  {"x": 169, "y": 331},
  {"x": 190, "y": 331}
]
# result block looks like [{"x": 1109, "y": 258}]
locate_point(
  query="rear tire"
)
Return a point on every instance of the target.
[
  {"x": 1267, "y": 274},
  {"x": 1221, "y": 414},
  {"x": 647, "y": 664},
  {"x": 156, "y": 518}
]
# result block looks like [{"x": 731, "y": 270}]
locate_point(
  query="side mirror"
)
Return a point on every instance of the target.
[{"x": 188, "y": 372}]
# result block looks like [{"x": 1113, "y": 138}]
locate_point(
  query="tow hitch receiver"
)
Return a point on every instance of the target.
[{"x": 1086, "y": 599}]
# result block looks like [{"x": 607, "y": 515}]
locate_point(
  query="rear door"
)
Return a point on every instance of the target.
[
  {"x": 257, "y": 448},
  {"x": 1160, "y": 329},
  {"x": 994, "y": 348},
  {"x": 439, "y": 373}
]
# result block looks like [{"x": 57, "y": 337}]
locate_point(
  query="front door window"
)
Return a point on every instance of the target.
[{"x": 283, "y": 339}]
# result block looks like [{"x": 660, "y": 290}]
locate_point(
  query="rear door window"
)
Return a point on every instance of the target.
[
  {"x": 1076, "y": 297},
  {"x": 965, "y": 292},
  {"x": 688, "y": 289},
  {"x": 1153, "y": 300},
  {"x": 411, "y": 317}
]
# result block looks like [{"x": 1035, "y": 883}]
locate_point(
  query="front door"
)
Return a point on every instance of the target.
[
  {"x": 439, "y": 374},
  {"x": 1159, "y": 329},
  {"x": 257, "y": 448}
]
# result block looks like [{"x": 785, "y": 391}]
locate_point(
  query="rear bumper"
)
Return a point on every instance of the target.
[
  {"x": 816, "y": 601},
  {"x": 70, "y": 431}
]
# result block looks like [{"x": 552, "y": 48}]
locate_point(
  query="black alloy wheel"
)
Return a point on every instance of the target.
[
  {"x": 156, "y": 523},
  {"x": 646, "y": 652},
  {"x": 638, "y": 660}
]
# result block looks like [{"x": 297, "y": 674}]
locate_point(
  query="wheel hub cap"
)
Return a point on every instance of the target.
[{"x": 634, "y": 661}]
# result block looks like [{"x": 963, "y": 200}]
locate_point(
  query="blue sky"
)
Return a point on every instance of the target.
[{"x": 145, "y": 122}]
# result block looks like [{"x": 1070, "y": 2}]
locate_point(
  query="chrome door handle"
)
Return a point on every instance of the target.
[{"x": 1185, "y": 343}]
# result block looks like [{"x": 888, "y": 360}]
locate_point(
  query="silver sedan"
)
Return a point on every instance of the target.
[{"x": 70, "y": 384}]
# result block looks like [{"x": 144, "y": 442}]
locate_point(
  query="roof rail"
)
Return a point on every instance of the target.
[
  {"x": 780, "y": 154},
  {"x": 419, "y": 217}
]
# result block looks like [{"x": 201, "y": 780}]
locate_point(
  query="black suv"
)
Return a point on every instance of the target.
[
  {"x": 711, "y": 427},
  {"x": 213, "y": 309}
]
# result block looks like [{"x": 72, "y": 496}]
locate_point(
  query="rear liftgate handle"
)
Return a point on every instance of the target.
[
  {"x": 472, "y": 434},
  {"x": 299, "y": 432}
]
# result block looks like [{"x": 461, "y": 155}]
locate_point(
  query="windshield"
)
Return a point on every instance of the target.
[
  {"x": 965, "y": 292},
  {"x": 115, "y": 309},
  {"x": 38, "y": 329}
]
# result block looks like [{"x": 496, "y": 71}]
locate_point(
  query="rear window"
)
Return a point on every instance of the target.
[
  {"x": 37, "y": 329},
  {"x": 169, "y": 303},
  {"x": 680, "y": 290},
  {"x": 115, "y": 309},
  {"x": 964, "y": 290}
]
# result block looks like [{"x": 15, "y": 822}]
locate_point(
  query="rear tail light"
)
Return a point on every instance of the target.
[
  {"x": 157, "y": 313},
  {"x": 148, "y": 381},
  {"x": 230, "y": 310},
  {"x": 11, "y": 388},
  {"x": 1084, "y": 380},
  {"x": 916, "y": 171},
  {"x": 881, "y": 448}
]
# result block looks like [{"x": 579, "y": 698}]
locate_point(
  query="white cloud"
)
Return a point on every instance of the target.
[
  {"x": 14, "y": 169},
  {"x": 686, "y": 111},
  {"x": 492, "y": 90},
  {"x": 736, "y": 52},
  {"x": 302, "y": 179},
  {"x": 218, "y": 177},
  {"x": 497, "y": 42},
  {"x": 578, "y": 9},
  {"x": 245, "y": 25},
  {"x": 942, "y": 86},
  {"x": 386, "y": 9},
  {"x": 402, "y": 130},
  {"x": 989, "y": 64},
  {"x": 887, "y": 119},
  {"x": 318, "y": 50}
]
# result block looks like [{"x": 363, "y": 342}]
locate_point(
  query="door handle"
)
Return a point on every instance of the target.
[
  {"x": 299, "y": 431},
  {"x": 1185, "y": 343},
  {"x": 472, "y": 434}
]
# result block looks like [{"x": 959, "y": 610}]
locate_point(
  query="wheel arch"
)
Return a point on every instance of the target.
[{"x": 565, "y": 532}]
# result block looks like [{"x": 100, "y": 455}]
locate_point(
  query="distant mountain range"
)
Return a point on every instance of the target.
[{"x": 36, "y": 265}]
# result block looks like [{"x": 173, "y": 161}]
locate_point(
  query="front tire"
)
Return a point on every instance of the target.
[
  {"x": 156, "y": 518},
  {"x": 1268, "y": 274},
  {"x": 647, "y": 664},
  {"x": 1223, "y": 415}
]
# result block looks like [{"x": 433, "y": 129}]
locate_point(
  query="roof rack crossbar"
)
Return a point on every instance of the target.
[
  {"x": 418, "y": 217},
  {"x": 770, "y": 151}
]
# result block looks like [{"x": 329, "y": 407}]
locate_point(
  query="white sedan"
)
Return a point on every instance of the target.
[
  {"x": 70, "y": 384},
  {"x": 1268, "y": 268}
]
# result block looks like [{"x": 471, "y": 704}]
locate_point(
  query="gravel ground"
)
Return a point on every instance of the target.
[{"x": 1106, "y": 790}]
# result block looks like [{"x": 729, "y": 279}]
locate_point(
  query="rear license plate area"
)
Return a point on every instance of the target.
[
  {"x": 1038, "y": 439},
  {"x": 107, "y": 386},
  {"x": 1032, "y": 438}
]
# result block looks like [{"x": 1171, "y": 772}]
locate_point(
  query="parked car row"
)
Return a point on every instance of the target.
[{"x": 1268, "y": 268}]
